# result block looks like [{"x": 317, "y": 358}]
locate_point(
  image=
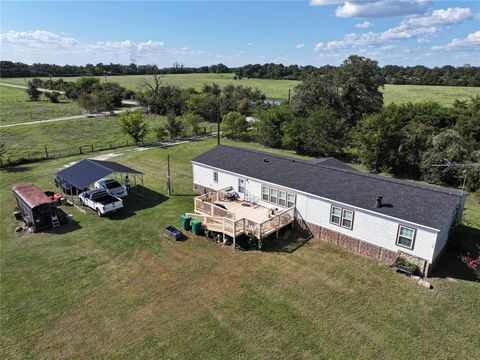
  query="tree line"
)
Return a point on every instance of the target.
[
  {"x": 402, "y": 75},
  {"x": 342, "y": 114},
  {"x": 18, "y": 69}
]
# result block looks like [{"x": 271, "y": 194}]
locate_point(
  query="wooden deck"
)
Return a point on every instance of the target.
[{"x": 239, "y": 217}]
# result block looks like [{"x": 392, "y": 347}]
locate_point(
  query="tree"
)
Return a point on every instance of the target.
[
  {"x": 235, "y": 126},
  {"x": 173, "y": 126},
  {"x": 159, "y": 99},
  {"x": 240, "y": 98},
  {"x": 321, "y": 133},
  {"x": 351, "y": 90},
  {"x": 270, "y": 125},
  {"x": 446, "y": 146},
  {"x": 204, "y": 105},
  {"x": 192, "y": 121},
  {"x": 32, "y": 89},
  {"x": 212, "y": 89},
  {"x": 52, "y": 96},
  {"x": 133, "y": 124}
]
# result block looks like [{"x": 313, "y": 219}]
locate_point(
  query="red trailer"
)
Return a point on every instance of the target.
[{"x": 35, "y": 207}]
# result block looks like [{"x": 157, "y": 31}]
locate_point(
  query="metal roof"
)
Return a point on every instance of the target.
[
  {"x": 87, "y": 171},
  {"x": 31, "y": 194},
  {"x": 417, "y": 203}
]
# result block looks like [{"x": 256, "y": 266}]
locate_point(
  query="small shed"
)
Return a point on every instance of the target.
[{"x": 36, "y": 208}]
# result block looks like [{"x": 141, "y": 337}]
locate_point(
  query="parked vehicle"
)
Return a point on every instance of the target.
[
  {"x": 66, "y": 187},
  {"x": 112, "y": 187},
  {"x": 100, "y": 201}
]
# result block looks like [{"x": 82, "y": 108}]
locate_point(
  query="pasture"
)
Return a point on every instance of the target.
[
  {"x": 278, "y": 89},
  {"x": 117, "y": 288},
  {"x": 15, "y": 107}
]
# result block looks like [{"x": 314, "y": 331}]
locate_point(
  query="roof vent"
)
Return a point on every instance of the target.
[
  {"x": 265, "y": 160},
  {"x": 378, "y": 203}
]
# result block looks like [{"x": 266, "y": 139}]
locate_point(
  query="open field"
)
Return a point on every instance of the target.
[
  {"x": 278, "y": 89},
  {"x": 15, "y": 107},
  {"x": 65, "y": 137},
  {"x": 116, "y": 287}
]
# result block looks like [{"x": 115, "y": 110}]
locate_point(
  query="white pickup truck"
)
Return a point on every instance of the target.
[{"x": 100, "y": 201}]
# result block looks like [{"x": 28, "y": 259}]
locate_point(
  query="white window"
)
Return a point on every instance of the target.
[
  {"x": 241, "y": 186},
  {"x": 347, "y": 219},
  {"x": 282, "y": 198},
  {"x": 290, "y": 200},
  {"x": 273, "y": 196},
  {"x": 215, "y": 177},
  {"x": 265, "y": 193},
  {"x": 405, "y": 237},
  {"x": 335, "y": 215}
]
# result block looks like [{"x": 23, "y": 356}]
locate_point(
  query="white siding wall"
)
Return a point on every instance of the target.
[{"x": 372, "y": 228}]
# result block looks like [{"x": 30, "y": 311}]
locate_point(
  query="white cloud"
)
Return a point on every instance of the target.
[
  {"x": 45, "y": 46},
  {"x": 376, "y": 8},
  {"x": 364, "y": 25},
  {"x": 442, "y": 17},
  {"x": 38, "y": 39},
  {"x": 352, "y": 41},
  {"x": 469, "y": 43},
  {"x": 300, "y": 46},
  {"x": 249, "y": 44}
]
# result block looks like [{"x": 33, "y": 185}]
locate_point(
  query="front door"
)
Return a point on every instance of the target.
[{"x": 241, "y": 186}]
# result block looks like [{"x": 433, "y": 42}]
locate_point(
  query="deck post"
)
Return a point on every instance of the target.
[
  {"x": 234, "y": 230},
  {"x": 223, "y": 229}
]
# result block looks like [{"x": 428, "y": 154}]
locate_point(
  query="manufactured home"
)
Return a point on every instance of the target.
[{"x": 373, "y": 215}]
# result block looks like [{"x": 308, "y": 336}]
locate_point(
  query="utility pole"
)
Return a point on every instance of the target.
[
  {"x": 218, "y": 121},
  {"x": 169, "y": 184}
]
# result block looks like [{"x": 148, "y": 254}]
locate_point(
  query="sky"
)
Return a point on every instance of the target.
[{"x": 315, "y": 32}]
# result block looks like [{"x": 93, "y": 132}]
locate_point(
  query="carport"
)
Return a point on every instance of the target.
[{"x": 87, "y": 171}]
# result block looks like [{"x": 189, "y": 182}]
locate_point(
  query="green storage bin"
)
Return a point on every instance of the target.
[
  {"x": 196, "y": 227},
  {"x": 186, "y": 222}
]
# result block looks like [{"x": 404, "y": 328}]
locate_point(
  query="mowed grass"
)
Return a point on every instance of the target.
[
  {"x": 278, "y": 89},
  {"x": 117, "y": 288},
  {"x": 65, "y": 137},
  {"x": 446, "y": 95},
  {"x": 15, "y": 107}
]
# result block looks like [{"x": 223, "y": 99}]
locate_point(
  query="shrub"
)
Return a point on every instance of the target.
[
  {"x": 472, "y": 263},
  {"x": 406, "y": 265}
]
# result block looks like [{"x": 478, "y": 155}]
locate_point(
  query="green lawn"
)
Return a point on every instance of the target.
[
  {"x": 278, "y": 89},
  {"x": 117, "y": 288},
  {"x": 65, "y": 137},
  {"x": 15, "y": 107}
]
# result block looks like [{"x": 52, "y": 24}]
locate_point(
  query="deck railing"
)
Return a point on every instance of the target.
[{"x": 218, "y": 219}]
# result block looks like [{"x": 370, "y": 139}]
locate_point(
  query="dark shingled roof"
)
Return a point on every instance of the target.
[
  {"x": 421, "y": 204},
  {"x": 330, "y": 161}
]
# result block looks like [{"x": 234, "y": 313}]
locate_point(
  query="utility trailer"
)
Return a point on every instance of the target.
[{"x": 34, "y": 207}]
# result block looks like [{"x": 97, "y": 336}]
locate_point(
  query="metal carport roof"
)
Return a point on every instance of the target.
[{"x": 87, "y": 171}]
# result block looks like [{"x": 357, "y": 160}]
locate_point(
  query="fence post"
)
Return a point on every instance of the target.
[{"x": 46, "y": 152}]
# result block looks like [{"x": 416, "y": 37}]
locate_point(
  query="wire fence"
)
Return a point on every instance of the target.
[{"x": 49, "y": 152}]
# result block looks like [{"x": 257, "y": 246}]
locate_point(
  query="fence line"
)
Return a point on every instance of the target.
[{"x": 47, "y": 153}]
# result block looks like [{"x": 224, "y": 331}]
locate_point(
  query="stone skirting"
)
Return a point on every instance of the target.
[
  {"x": 200, "y": 189},
  {"x": 350, "y": 243}
]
